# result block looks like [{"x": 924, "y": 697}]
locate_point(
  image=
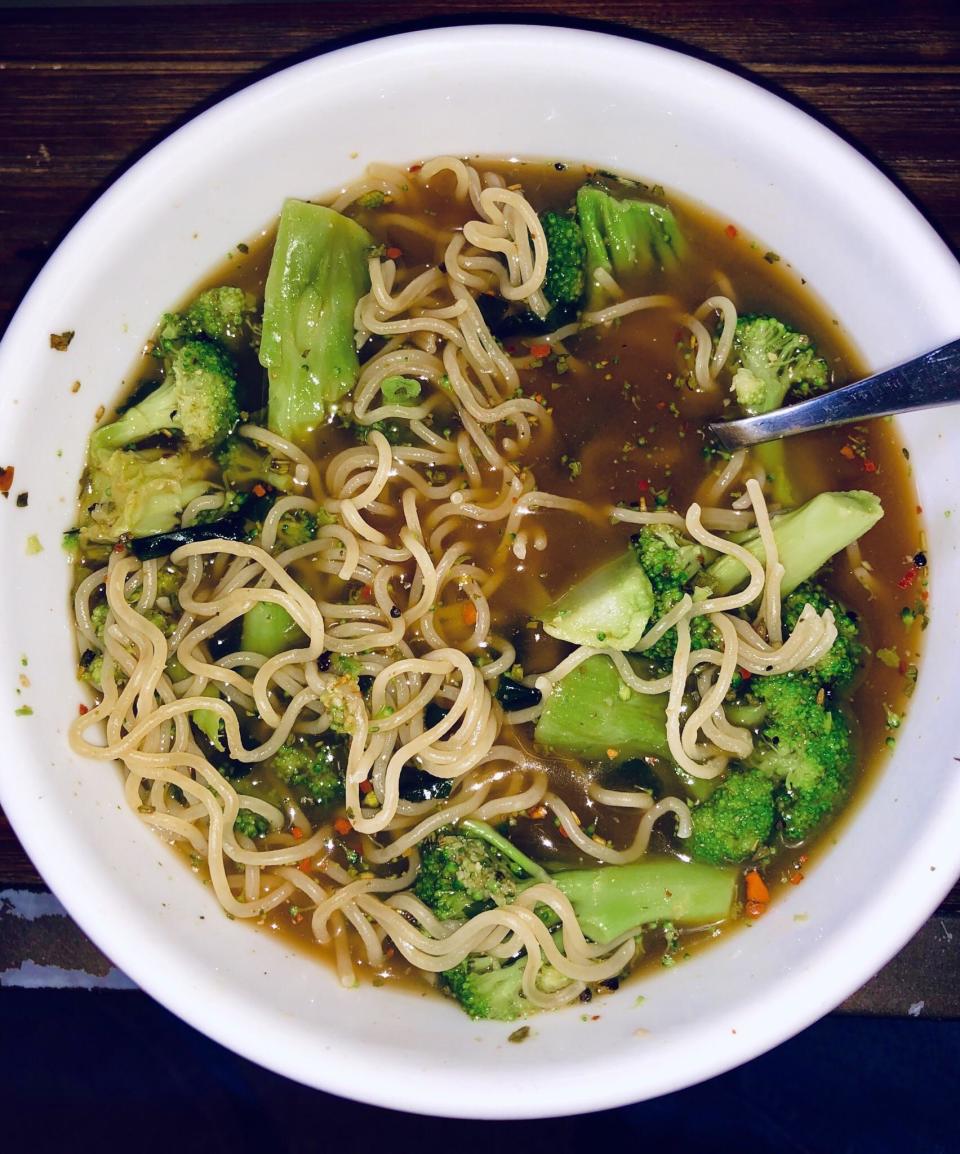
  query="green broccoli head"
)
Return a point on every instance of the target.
[
  {"x": 299, "y": 526},
  {"x": 131, "y": 493},
  {"x": 736, "y": 821},
  {"x": 250, "y": 824},
  {"x": 837, "y": 668},
  {"x": 669, "y": 559},
  {"x": 461, "y": 876},
  {"x": 197, "y": 399},
  {"x": 221, "y": 314},
  {"x": 769, "y": 359},
  {"x": 565, "y": 280},
  {"x": 487, "y": 988},
  {"x": 313, "y": 769},
  {"x": 805, "y": 746}
]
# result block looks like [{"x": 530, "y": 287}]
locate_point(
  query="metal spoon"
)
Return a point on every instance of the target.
[{"x": 933, "y": 379}]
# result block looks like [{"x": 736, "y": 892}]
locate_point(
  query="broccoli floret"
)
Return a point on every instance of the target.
[
  {"x": 250, "y": 824},
  {"x": 220, "y": 314},
  {"x": 313, "y": 769},
  {"x": 245, "y": 464},
  {"x": 461, "y": 876},
  {"x": 837, "y": 668},
  {"x": 769, "y": 359},
  {"x": 804, "y": 746},
  {"x": 491, "y": 989},
  {"x": 299, "y": 526},
  {"x": 736, "y": 821},
  {"x": 566, "y": 256},
  {"x": 625, "y": 238},
  {"x": 317, "y": 275},
  {"x": 197, "y": 398},
  {"x": 473, "y": 868},
  {"x": 137, "y": 493}
]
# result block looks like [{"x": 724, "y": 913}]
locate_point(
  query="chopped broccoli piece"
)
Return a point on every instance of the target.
[
  {"x": 610, "y": 607},
  {"x": 566, "y": 256},
  {"x": 209, "y": 722},
  {"x": 736, "y": 820},
  {"x": 807, "y": 537},
  {"x": 317, "y": 275},
  {"x": 489, "y": 988},
  {"x": 837, "y": 668},
  {"x": 400, "y": 390},
  {"x": 461, "y": 876},
  {"x": 137, "y": 493},
  {"x": 772, "y": 362},
  {"x": 770, "y": 359},
  {"x": 245, "y": 464},
  {"x": 314, "y": 769},
  {"x": 221, "y": 314},
  {"x": 269, "y": 629},
  {"x": 625, "y": 238},
  {"x": 197, "y": 398},
  {"x": 250, "y": 824},
  {"x": 300, "y": 526},
  {"x": 804, "y": 745},
  {"x": 592, "y": 714}
]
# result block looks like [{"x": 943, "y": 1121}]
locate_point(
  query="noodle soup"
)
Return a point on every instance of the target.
[{"x": 494, "y": 673}]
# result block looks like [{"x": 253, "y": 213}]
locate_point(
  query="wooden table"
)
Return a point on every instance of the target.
[{"x": 86, "y": 89}]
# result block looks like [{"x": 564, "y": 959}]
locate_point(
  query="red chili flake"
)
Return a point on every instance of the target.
[
  {"x": 661, "y": 404},
  {"x": 6, "y": 479},
  {"x": 847, "y": 451},
  {"x": 305, "y": 866},
  {"x": 908, "y": 578},
  {"x": 394, "y": 253},
  {"x": 296, "y": 833},
  {"x": 643, "y": 486},
  {"x": 415, "y": 167},
  {"x": 869, "y": 466},
  {"x": 745, "y": 674},
  {"x": 366, "y": 593},
  {"x": 540, "y": 350},
  {"x": 563, "y": 832},
  {"x": 924, "y": 595},
  {"x": 919, "y": 509},
  {"x": 731, "y": 230},
  {"x": 795, "y": 877},
  {"x": 82, "y": 709},
  {"x": 259, "y": 490},
  {"x": 365, "y": 787},
  {"x": 903, "y": 667}
]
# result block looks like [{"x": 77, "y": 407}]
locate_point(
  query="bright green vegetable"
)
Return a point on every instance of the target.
[
  {"x": 491, "y": 989},
  {"x": 250, "y": 824},
  {"x": 317, "y": 275},
  {"x": 400, "y": 390},
  {"x": 772, "y": 362},
  {"x": 735, "y": 821},
  {"x": 625, "y": 238},
  {"x": 223, "y": 314},
  {"x": 566, "y": 255},
  {"x": 245, "y": 464},
  {"x": 806, "y": 538},
  {"x": 197, "y": 399},
  {"x": 269, "y": 629},
  {"x": 591, "y": 712},
  {"x": 611, "y": 607},
  {"x": 313, "y": 768}
]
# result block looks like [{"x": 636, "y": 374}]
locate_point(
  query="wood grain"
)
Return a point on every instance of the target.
[{"x": 85, "y": 91}]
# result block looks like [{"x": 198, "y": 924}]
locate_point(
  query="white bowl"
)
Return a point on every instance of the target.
[{"x": 529, "y": 92}]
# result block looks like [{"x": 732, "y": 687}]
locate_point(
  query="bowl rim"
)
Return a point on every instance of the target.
[{"x": 603, "y": 1090}]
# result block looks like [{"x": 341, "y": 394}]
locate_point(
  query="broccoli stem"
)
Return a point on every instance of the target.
[
  {"x": 590, "y": 713},
  {"x": 317, "y": 275},
  {"x": 806, "y": 539},
  {"x": 269, "y": 629},
  {"x": 772, "y": 456},
  {"x": 611, "y": 900},
  {"x": 610, "y": 607}
]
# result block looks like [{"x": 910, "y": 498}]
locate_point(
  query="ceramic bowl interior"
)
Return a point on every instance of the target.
[{"x": 496, "y": 91}]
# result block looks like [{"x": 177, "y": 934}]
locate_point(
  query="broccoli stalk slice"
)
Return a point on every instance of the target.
[
  {"x": 209, "y": 722},
  {"x": 592, "y": 714},
  {"x": 269, "y": 629},
  {"x": 317, "y": 275},
  {"x": 806, "y": 538},
  {"x": 624, "y": 238},
  {"x": 480, "y": 829},
  {"x": 197, "y": 398},
  {"x": 610, "y": 607}
]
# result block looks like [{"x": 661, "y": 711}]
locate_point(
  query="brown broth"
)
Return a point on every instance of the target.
[{"x": 627, "y": 428}]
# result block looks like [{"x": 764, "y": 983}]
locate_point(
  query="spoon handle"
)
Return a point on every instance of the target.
[{"x": 933, "y": 379}]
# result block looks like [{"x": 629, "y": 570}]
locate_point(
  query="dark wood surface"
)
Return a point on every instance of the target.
[{"x": 86, "y": 88}]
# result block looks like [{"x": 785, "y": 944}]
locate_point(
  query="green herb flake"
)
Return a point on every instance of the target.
[
  {"x": 61, "y": 341},
  {"x": 520, "y": 1035},
  {"x": 33, "y": 545},
  {"x": 23, "y": 711},
  {"x": 889, "y": 657},
  {"x": 771, "y": 257}
]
